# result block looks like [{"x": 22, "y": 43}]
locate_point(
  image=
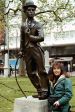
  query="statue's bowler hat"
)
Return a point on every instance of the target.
[{"x": 28, "y": 4}]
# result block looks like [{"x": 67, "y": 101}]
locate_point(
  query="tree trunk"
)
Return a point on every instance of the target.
[{"x": 22, "y": 70}]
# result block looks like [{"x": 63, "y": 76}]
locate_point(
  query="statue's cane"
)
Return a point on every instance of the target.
[{"x": 17, "y": 80}]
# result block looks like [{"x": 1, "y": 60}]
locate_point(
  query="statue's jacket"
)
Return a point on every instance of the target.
[{"x": 36, "y": 35}]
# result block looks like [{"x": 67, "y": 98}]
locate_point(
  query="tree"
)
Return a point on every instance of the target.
[
  {"x": 2, "y": 22},
  {"x": 11, "y": 13},
  {"x": 22, "y": 70},
  {"x": 50, "y": 14},
  {"x": 56, "y": 12}
]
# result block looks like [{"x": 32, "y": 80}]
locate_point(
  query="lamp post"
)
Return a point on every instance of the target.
[{"x": 6, "y": 66}]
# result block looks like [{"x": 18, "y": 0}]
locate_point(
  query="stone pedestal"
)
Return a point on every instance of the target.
[{"x": 30, "y": 104}]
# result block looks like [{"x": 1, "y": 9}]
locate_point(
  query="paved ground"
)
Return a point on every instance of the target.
[{"x": 72, "y": 73}]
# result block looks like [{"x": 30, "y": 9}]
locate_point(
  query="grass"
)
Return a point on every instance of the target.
[{"x": 6, "y": 106}]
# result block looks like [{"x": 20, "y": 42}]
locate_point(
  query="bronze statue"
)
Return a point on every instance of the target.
[{"x": 31, "y": 36}]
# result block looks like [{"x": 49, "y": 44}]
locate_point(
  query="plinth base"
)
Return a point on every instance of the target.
[{"x": 30, "y": 104}]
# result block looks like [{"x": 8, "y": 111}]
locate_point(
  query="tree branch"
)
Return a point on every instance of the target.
[
  {"x": 14, "y": 10},
  {"x": 43, "y": 12},
  {"x": 57, "y": 18},
  {"x": 9, "y": 3},
  {"x": 63, "y": 7}
]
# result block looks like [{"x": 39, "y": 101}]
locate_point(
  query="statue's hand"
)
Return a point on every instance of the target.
[
  {"x": 20, "y": 54},
  {"x": 27, "y": 31}
]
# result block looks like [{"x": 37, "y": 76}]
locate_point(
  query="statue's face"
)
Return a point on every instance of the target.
[{"x": 30, "y": 12}]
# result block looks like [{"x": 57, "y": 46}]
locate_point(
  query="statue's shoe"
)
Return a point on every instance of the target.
[
  {"x": 41, "y": 97},
  {"x": 35, "y": 96}
]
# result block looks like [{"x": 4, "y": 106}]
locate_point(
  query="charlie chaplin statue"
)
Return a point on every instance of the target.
[{"x": 33, "y": 55}]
